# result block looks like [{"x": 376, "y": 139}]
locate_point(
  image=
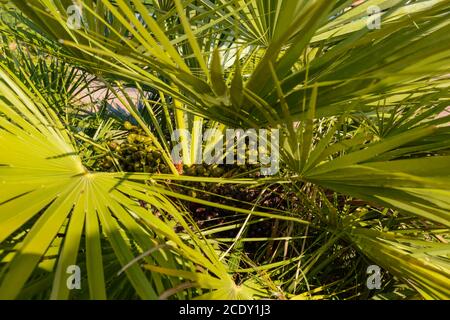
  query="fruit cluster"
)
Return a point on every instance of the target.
[{"x": 137, "y": 153}]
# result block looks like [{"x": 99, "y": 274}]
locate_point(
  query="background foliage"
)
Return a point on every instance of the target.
[{"x": 364, "y": 176}]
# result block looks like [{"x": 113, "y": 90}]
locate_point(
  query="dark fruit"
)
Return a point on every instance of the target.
[
  {"x": 113, "y": 145},
  {"x": 156, "y": 154},
  {"x": 217, "y": 172},
  {"x": 190, "y": 171},
  {"x": 200, "y": 170}
]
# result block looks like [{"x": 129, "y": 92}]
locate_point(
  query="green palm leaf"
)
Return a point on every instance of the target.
[
  {"x": 423, "y": 265},
  {"x": 45, "y": 183}
]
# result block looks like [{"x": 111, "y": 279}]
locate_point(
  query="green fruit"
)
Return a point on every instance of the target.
[
  {"x": 147, "y": 140},
  {"x": 131, "y": 137},
  {"x": 192, "y": 193},
  {"x": 128, "y": 125},
  {"x": 148, "y": 149},
  {"x": 140, "y": 138}
]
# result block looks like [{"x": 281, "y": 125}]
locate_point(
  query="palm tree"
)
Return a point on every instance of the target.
[{"x": 362, "y": 147}]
